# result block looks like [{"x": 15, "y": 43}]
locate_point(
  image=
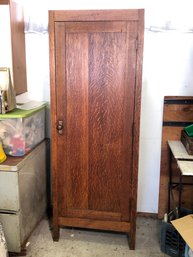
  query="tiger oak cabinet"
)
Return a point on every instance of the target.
[{"x": 95, "y": 77}]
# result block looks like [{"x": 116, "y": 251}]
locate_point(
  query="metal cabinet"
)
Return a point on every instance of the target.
[{"x": 22, "y": 195}]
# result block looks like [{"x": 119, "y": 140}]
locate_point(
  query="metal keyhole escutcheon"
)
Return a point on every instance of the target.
[{"x": 60, "y": 126}]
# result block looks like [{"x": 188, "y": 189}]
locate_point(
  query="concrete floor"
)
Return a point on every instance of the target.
[{"x": 87, "y": 243}]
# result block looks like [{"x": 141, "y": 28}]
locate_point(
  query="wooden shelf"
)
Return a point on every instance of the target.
[
  {"x": 186, "y": 167},
  {"x": 179, "y": 151}
]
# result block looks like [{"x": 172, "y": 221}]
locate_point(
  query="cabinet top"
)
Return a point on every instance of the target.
[
  {"x": 11, "y": 164},
  {"x": 97, "y": 15},
  {"x": 15, "y": 164}
]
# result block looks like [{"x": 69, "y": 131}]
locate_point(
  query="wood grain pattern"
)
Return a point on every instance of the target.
[
  {"x": 182, "y": 112},
  {"x": 92, "y": 214},
  {"x": 77, "y": 119},
  {"x": 95, "y": 224},
  {"x": 98, "y": 15},
  {"x": 106, "y": 96},
  {"x": 60, "y": 114},
  {"x": 135, "y": 145},
  {"x": 94, "y": 85},
  {"x": 4, "y": 2},
  {"x": 84, "y": 27}
]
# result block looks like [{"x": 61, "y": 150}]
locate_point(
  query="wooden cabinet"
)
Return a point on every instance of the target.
[
  {"x": 95, "y": 67},
  {"x": 17, "y": 44}
]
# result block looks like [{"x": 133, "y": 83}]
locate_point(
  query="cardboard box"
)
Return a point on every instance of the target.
[{"x": 184, "y": 226}]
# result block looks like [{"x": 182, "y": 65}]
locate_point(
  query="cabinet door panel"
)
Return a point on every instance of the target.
[
  {"x": 95, "y": 80},
  {"x": 106, "y": 119}
]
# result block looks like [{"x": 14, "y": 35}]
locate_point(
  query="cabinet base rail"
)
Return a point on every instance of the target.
[
  {"x": 95, "y": 224},
  {"x": 114, "y": 226}
]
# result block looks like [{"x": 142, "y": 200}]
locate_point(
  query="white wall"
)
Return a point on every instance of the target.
[
  {"x": 167, "y": 70},
  {"x": 5, "y": 41},
  {"x": 37, "y": 61}
]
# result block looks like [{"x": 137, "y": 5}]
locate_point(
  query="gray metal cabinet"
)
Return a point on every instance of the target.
[{"x": 22, "y": 195}]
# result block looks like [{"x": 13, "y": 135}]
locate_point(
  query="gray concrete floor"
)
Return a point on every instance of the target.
[{"x": 89, "y": 243}]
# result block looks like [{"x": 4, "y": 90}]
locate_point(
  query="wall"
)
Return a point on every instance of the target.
[
  {"x": 167, "y": 70},
  {"x": 5, "y": 42},
  {"x": 37, "y": 61}
]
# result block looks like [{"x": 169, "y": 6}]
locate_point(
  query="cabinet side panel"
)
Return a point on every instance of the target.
[
  {"x": 32, "y": 189},
  {"x": 137, "y": 107}
]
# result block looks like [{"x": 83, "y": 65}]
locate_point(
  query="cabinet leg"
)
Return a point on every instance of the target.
[
  {"x": 55, "y": 233},
  {"x": 131, "y": 240}
]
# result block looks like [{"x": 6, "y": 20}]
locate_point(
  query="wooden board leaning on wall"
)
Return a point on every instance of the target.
[
  {"x": 18, "y": 49},
  {"x": 177, "y": 114}
]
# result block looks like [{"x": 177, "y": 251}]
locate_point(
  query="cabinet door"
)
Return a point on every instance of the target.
[{"x": 95, "y": 82}]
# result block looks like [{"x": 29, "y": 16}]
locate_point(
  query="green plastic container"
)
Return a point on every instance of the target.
[
  {"x": 189, "y": 130},
  {"x": 22, "y": 130}
]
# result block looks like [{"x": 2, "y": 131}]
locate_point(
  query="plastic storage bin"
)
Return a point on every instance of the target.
[
  {"x": 22, "y": 130},
  {"x": 189, "y": 130},
  {"x": 171, "y": 241}
]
